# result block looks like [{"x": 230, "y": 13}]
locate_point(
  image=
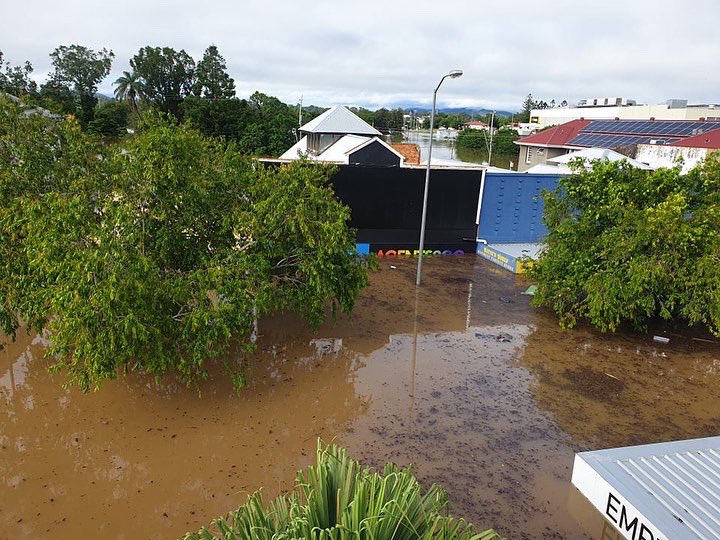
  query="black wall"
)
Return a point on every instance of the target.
[
  {"x": 374, "y": 153},
  {"x": 386, "y": 204}
]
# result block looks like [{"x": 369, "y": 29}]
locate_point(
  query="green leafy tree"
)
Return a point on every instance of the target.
[
  {"x": 111, "y": 119},
  {"x": 166, "y": 75},
  {"x": 58, "y": 98},
  {"x": 16, "y": 80},
  {"x": 503, "y": 140},
  {"x": 628, "y": 246},
  {"x": 212, "y": 79},
  {"x": 269, "y": 130},
  {"x": 527, "y": 106},
  {"x": 129, "y": 87},
  {"x": 217, "y": 117},
  {"x": 152, "y": 255},
  {"x": 81, "y": 70}
]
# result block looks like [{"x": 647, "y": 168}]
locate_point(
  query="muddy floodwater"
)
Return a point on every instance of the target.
[{"x": 479, "y": 391}]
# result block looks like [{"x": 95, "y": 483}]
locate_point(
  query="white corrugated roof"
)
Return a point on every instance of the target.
[
  {"x": 339, "y": 150},
  {"x": 339, "y": 120},
  {"x": 296, "y": 150},
  {"x": 600, "y": 154},
  {"x": 548, "y": 168},
  {"x": 669, "y": 490}
]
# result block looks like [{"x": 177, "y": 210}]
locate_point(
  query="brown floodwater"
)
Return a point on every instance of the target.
[{"x": 479, "y": 391}]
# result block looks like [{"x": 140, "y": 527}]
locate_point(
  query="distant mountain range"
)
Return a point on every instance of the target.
[{"x": 471, "y": 111}]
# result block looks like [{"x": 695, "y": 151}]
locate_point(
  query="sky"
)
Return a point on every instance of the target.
[{"x": 384, "y": 53}]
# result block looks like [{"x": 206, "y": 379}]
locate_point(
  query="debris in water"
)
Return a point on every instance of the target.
[
  {"x": 327, "y": 345},
  {"x": 661, "y": 339},
  {"x": 531, "y": 290},
  {"x": 502, "y": 337},
  {"x": 506, "y": 300},
  {"x": 393, "y": 267}
]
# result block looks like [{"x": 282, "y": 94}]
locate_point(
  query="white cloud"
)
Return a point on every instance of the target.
[{"x": 384, "y": 52}]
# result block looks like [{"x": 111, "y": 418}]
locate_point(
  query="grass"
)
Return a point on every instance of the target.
[{"x": 337, "y": 499}]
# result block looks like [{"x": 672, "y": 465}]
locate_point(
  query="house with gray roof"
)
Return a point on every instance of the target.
[{"x": 340, "y": 136}]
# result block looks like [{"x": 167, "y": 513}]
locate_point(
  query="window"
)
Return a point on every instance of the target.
[{"x": 528, "y": 155}]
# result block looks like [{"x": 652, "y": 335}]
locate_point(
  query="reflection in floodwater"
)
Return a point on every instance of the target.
[{"x": 461, "y": 378}]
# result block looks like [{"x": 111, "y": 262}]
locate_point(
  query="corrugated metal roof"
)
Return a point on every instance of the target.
[
  {"x": 339, "y": 120},
  {"x": 339, "y": 150},
  {"x": 670, "y": 490},
  {"x": 296, "y": 150}
]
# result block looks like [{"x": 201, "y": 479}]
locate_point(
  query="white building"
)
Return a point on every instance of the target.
[
  {"x": 689, "y": 152},
  {"x": 623, "y": 109}
]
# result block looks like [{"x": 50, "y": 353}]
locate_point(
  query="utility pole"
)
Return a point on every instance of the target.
[
  {"x": 492, "y": 120},
  {"x": 300, "y": 112}
]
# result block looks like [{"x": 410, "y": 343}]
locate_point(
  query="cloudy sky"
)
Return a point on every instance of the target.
[{"x": 381, "y": 53}]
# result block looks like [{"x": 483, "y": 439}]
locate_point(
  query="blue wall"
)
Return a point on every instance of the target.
[{"x": 512, "y": 207}]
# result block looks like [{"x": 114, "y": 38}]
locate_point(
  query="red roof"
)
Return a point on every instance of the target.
[
  {"x": 710, "y": 139},
  {"x": 475, "y": 123},
  {"x": 557, "y": 136}
]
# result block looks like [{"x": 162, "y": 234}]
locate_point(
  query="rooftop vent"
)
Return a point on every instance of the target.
[{"x": 676, "y": 103}]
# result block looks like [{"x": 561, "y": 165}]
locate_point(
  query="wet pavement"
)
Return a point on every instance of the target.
[{"x": 479, "y": 391}]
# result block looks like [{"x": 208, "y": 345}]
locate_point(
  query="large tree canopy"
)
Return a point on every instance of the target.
[
  {"x": 627, "y": 245},
  {"x": 212, "y": 79},
  {"x": 16, "y": 80},
  {"x": 151, "y": 255},
  {"x": 81, "y": 70},
  {"x": 166, "y": 76}
]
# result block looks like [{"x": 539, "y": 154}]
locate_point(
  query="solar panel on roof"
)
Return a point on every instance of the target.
[{"x": 649, "y": 127}]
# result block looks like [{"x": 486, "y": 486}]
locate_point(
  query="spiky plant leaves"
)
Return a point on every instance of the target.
[{"x": 337, "y": 499}]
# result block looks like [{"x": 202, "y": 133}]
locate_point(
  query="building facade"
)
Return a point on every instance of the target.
[
  {"x": 625, "y": 136},
  {"x": 624, "y": 109}
]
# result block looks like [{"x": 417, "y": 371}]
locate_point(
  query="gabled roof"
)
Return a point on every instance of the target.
[
  {"x": 373, "y": 140},
  {"x": 339, "y": 151},
  {"x": 296, "y": 150},
  {"x": 339, "y": 120},
  {"x": 710, "y": 139},
  {"x": 557, "y": 136},
  {"x": 475, "y": 123}
]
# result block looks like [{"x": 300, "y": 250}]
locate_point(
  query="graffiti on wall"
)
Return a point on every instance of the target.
[
  {"x": 416, "y": 252},
  {"x": 364, "y": 249}
]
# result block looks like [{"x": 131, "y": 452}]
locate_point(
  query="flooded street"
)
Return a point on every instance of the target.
[{"x": 479, "y": 391}]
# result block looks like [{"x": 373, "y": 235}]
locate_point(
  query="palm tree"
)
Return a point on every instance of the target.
[{"x": 130, "y": 87}]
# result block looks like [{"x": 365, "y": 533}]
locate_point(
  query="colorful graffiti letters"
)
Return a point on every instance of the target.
[{"x": 416, "y": 252}]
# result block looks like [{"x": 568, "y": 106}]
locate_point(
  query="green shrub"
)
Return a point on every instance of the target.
[
  {"x": 337, "y": 499},
  {"x": 627, "y": 245}
]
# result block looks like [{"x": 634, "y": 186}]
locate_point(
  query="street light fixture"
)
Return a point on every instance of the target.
[{"x": 454, "y": 74}]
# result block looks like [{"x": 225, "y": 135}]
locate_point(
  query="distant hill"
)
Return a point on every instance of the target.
[
  {"x": 407, "y": 107},
  {"x": 471, "y": 111}
]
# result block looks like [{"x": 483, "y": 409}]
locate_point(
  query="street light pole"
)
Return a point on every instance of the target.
[{"x": 454, "y": 74}]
